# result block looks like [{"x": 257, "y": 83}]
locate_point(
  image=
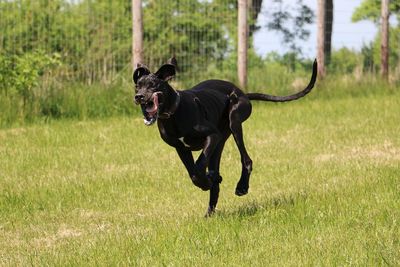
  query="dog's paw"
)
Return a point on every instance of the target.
[
  {"x": 241, "y": 191},
  {"x": 210, "y": 212},
  {"x": 214, "y": 177},
  {"x": 204, "y": 183}
]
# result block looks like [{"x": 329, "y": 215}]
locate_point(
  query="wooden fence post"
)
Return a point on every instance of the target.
[
  {"x": 137, "y": 33},
  {"x": 321, "y": 38},
  {"x": 385, "y": 40},
  {"x": 242, "y": 43}
]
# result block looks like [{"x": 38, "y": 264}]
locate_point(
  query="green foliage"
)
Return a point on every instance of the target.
[
  {"x": 345, "y": 61},
  {"x": 53, "y": 100},
  {"x": 94, "y": 37},
  {"x": 72, "y": 59},
  {"x": 70, "y": 100},
  {"x": 371, "y": 52},
  {"x": 367, "y": 53},
  {"x": 28, "y": 69},
  {"x": 291, "y": 22},
  {"x": 188, "y": 30},
  {"x": 371, "y": 10},
  {"x": 29, "y": 92},
  {"x": 394, "y": 44},
  {"x": 6, "y": 74},
  {"x": 20, "y": 76}
]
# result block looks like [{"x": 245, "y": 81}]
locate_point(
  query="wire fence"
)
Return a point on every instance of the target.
[
  {"x": 200, "y": 34},
  {"x": 93, "y": 38}
]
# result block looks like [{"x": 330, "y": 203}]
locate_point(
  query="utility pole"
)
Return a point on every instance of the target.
[
  {"x": 242, "y": 43},
  {"x": 137, "y": 33},
  {"x": 385, "y": 39}
]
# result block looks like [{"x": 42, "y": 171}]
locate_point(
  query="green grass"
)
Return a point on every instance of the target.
[
  {"x": 69, "y": 100},
  {"x": 325, "y": 190}
]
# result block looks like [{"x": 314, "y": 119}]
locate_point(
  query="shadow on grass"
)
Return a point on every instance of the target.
[{"x": 252, "y": 208}]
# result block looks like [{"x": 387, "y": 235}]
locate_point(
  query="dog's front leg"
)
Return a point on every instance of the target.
[
  {"x": 209, "y": 147},
  {"x": 204, "y": 158},
  {"x": 198, "y": 176}
]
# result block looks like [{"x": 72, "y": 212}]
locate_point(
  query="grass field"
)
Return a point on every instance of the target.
[{"x": 325, "y": 190}]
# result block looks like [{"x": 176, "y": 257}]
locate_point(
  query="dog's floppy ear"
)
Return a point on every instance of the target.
[
  {"x": 140, "y": 71},
  {"x": 166, "y": 72}
]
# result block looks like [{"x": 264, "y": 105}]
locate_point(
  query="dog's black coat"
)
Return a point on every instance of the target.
[{"x": 201, "y": 118}]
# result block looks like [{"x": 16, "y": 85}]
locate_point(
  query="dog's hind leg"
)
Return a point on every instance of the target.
[
  {"x": 242, "y": 186},
  {"x": 240, "y": 110}
]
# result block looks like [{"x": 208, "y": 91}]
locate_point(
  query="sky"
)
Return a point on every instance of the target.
[{"x": 345, "y": 32}]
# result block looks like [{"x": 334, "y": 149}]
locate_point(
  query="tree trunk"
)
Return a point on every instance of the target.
[
  {"x": 137, "y": 32},
  {"x": 242, "y": 43},
  {"x": 255, "y": 9},
  {"x": 328, "y": 30},
  {"x": 321, "y": 23},
  {"x": 385, "y": 40}
]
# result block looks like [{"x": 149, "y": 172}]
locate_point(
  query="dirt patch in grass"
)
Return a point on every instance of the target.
[
  {"x": 64, "y": 232},
  {"x": 384, "y": 153}
]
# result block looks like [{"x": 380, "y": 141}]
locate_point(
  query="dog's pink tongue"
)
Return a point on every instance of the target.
[{"x": 153, "y": 110}]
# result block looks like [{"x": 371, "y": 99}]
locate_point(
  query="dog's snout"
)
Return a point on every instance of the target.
[{"x": 139, "y": 98}]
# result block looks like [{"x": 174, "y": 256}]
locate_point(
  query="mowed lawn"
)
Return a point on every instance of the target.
[{"x": 325, "y": 190}]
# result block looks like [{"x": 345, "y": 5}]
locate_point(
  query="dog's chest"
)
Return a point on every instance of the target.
[
  {"x": 192, "y": 143},
  {"x": 182, "y": 139},
  {"x": 171, "y": 134}
]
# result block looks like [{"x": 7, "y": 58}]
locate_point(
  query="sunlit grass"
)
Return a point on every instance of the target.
[{"x": 324, "y": 191}]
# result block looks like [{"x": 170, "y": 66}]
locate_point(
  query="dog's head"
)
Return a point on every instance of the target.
[{"x": 152, "y": 89}]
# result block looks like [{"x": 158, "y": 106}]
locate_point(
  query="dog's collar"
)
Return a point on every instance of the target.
[{"x": 174, "y": 107}]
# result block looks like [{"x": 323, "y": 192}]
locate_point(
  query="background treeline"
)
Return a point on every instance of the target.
[{"x": 64, "y": 58}]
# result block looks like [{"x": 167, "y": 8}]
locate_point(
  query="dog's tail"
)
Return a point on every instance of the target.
[{"x": 273, "y": 98}]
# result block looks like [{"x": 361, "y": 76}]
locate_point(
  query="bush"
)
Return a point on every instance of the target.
[
  {"x": 344, "y": 61},
  {"x": 28, "y": 92},
  {"x": 21, "y": 74}
]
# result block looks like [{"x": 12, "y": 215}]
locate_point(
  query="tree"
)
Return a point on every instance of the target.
[
  {"x": 255, "y": 8},
  {"x": 324, "y": 42},
  {"x": 186, "y": 29},
  {"x": 372, "y": 10},
  {"x": 291, "y": 21},
  {"x": 94, "y": 37},
  {"x": 385, "y": 40},
  {"x": 328, "y": 30}
]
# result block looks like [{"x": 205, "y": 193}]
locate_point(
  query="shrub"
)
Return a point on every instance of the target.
[{"x": 345, "y": 61}]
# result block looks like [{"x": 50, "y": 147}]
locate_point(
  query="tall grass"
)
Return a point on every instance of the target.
[
  {"x": 76, "y": 100},
  {"x": 54, "y": 100}
]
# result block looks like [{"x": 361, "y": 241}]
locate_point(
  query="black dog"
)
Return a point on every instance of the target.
[{"x": 202, "y": 117}]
